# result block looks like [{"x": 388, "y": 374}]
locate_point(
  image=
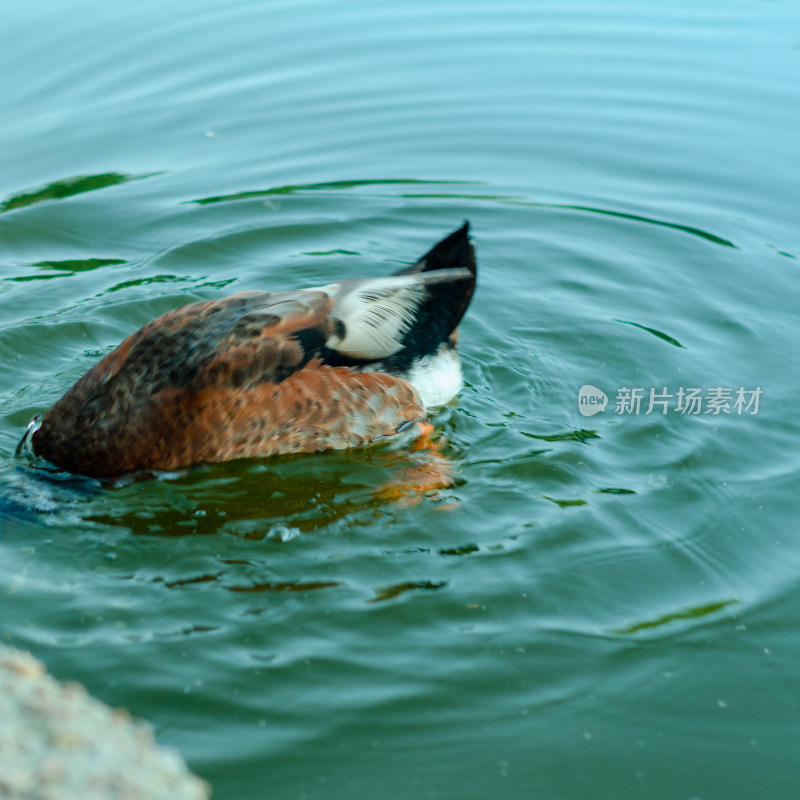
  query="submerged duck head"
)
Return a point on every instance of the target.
[{"x": 260, "y": 373}]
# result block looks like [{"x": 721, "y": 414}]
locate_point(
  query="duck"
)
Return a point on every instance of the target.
[{"x": 260, "y": 373}]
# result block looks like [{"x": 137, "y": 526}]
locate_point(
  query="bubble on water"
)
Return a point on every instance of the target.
[{"x": 282, "y": 533}]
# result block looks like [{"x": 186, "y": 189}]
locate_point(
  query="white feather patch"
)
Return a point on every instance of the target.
[
  {"x": 378, "y": 312},
  {"x": 438, "y": 378}
]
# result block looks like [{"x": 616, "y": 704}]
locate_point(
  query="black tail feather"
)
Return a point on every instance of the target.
[
  {"x": 454, "y": 250},
  {"x": 442, "y": 310}
]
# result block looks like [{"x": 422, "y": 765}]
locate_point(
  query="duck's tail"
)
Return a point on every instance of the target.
[
  {"x": 401, "y": 318},
  {"x": 445, "y": 303}
]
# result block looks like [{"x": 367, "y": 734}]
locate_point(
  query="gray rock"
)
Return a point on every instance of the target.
[{"x": 59, "y": 743}]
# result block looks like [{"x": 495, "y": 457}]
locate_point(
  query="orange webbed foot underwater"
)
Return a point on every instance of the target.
[{"x": 265, "y": 373}]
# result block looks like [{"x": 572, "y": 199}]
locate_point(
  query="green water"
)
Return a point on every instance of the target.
[{"x": 598, "y": 606}]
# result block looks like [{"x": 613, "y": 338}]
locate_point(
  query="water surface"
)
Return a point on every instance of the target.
[{"x": 598, "y": 606}]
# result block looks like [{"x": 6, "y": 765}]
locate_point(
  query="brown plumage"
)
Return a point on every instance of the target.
[{"x": 260, "y": 373}]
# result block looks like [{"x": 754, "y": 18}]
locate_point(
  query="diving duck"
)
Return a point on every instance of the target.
[{"x": 262, "y": 373}]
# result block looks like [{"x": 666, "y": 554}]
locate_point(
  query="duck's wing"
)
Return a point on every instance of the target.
[{"x": 240, "y": 340}]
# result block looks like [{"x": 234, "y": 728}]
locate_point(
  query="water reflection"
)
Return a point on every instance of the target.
[
  {"x": 696, "y": 612},
  {"x": 391, "y": 592},
  {"x": 659, "y": 334},
  {"x": 67, "y": 268},
  {"x": 325, "y": 186},
  {"x": 68, "y": 187},
  {"x": 277, "y": 498}
]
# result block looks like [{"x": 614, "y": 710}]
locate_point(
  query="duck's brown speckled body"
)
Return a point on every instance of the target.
[{"x": 262, "y": 373}]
